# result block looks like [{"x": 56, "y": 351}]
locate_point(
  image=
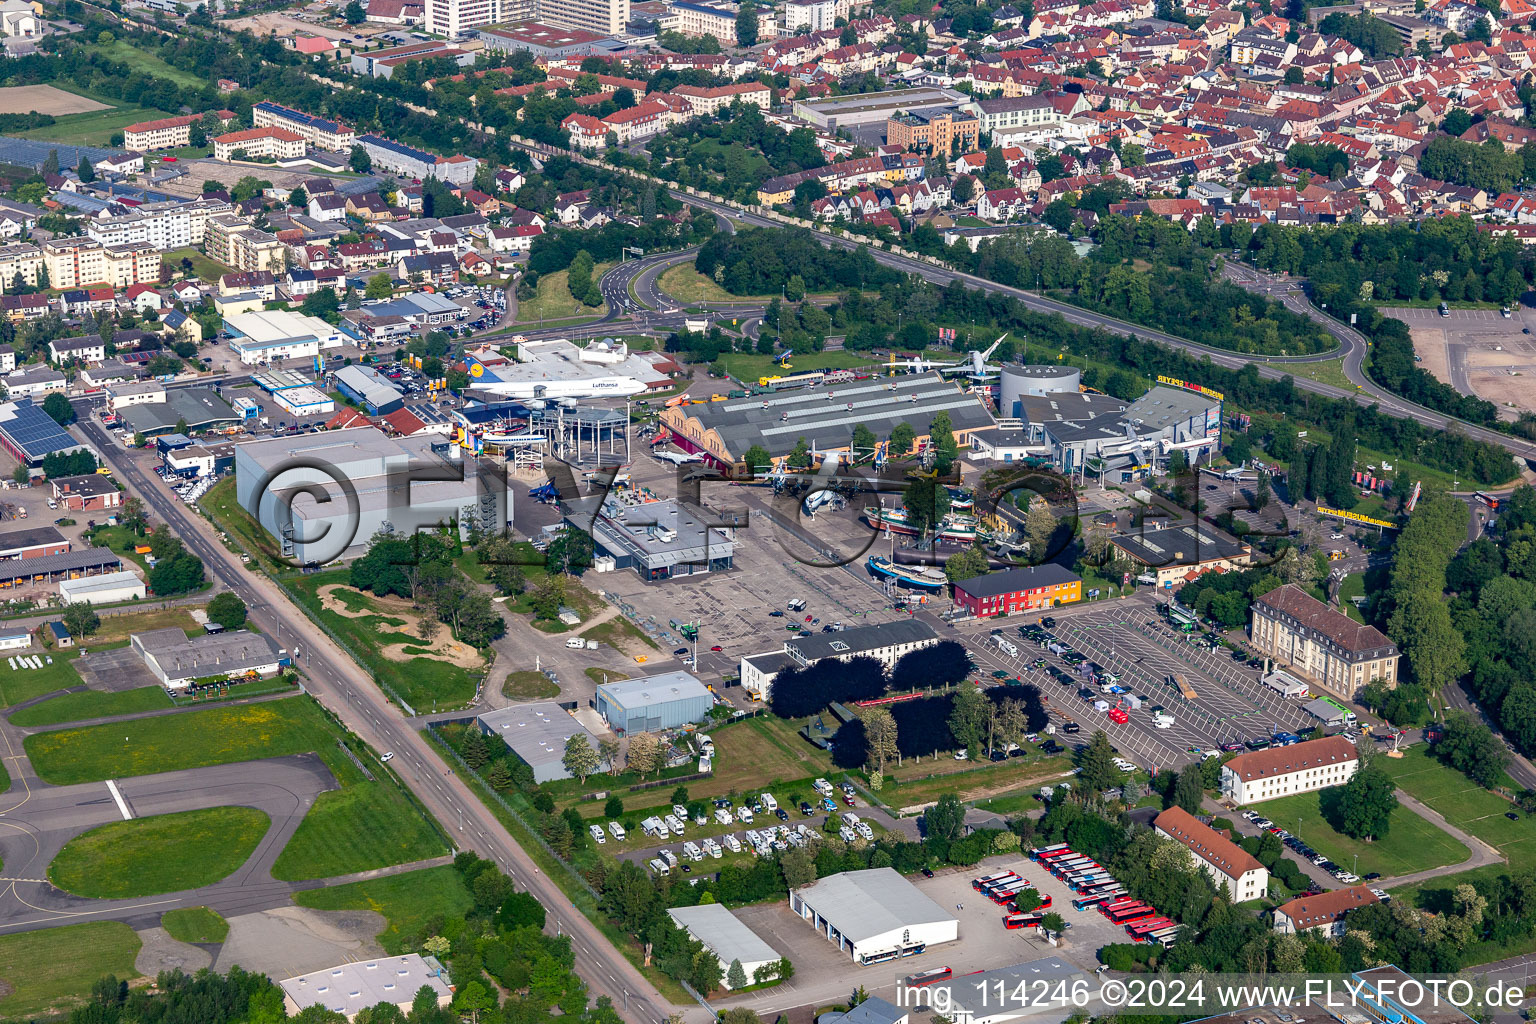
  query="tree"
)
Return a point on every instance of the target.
[
  {"x": 902, "y": 439},
  {"x": 1365, "y": 804},
  {"x": 968, "y": 718},
  {"x": 963, "y": 190},
  {"x": 966, "y": 564},
  {"x": 644, "y": 756},
  {"x": 85, "y": 171},
  {"x": 197, "y": 135},
  {"x": 81, "y": 620},
  {"x": 379, "y": 287},
  {"x": 360, "y": 161},
  {"x": 879, "y": 736},
  {"x": 227, "y": 610},
  {"x": 298, "y": 198},
  {"x": 746, "y": 29},
  {"x": 580, "y": 759},
  {"x": 736, "y": 975},
  {"x": 945, "y": 819},
  {"x": 59, "y": 408},
  {"x": 799, "y": 867},
  {"x": 51, "y": 163},
  {"x": 758, "y": 458},
  {"x": 1189, "y": 789},
  {"x": 1097, "y": 761},
  {"x": 1039, "y": 527},
  {"x": 354, "y": 13}
]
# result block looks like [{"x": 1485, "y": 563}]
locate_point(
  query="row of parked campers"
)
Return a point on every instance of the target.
[
  {"x": 852, "y": 826},
  {"x": 614, "y": 829},
  {"x": 763, "y": 843}
]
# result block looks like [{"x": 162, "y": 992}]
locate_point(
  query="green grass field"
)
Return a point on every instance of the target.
[
  {"x": 23, "y": 684},
  {"x": 685, "y": 284},
  {"x": 407, "y": 901},
  {"x": 748, "y": 367},
  {"x": 424, "y": 682},
  {"x": 94, "y": 128},
  {"x": 621, "y": 634},
  {"x": 529, "y": 685},
  {"x": 197, "y": 739},
  {"x": 203, "y": 267},
  {"x": 552, "y": 300},
  {"x": 1328, "y": 371},
  {"x": 149, "y": 63},
  {"x": 1411, "y": 844},
  {"x": 195, "y": 924},
  {"x": 121, "y": 540},
  {"x": 48, "y": 971},
  {"x": 165, "y": 853},
  {"x": 74, "y": 707},
  {"x": 245, "y": 533},
  {"x": 359, "y": 828},
  {"x": 1464, "y": 804}
]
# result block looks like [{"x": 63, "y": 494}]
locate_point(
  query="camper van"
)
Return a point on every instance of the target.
[
  {"x": 675, "y": 825},
  {"x": 769, "y": 803},
  {"x": 617, "y": 831},
  {"x": 659, "y": 867},
  {"x": 744, "y": 814},
  {"x": 598, "y": 834}
]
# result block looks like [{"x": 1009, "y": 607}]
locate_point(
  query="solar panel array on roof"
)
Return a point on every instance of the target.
[
  {"x": 398, "y": 147},
  {"x": 32, "y": 431}
]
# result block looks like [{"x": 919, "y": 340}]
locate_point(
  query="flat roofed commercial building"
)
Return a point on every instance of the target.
[
  {"x": 724, "y": 431},
  {"x": 1227, "y": 863},
  {"x": 369, "y": 482},
  {"x": 873, "y": 912},
  {"x": 32, "y": 542},
  {"x": 1178, "y": 554},
  {"x": 724, "y": 935},
  {"x": 369, "y": 387},
  {"x": 364, "y": 983},
  {"x": 1050, "y": 980},
  {"x": 108, "y": 588},
  {"x": 657, "y": 539},
  {"x": 537, "y": 733},
  {"x": 1322, "y": 913},
  {"x": 270, "y": 335},
  {"x": 1283, "y": 771},
  {"x": 669, "y": 700},
  {"x": 873, "y": 107},
  {"x": 1322, "y": 644},
  {"x": 52, "y": 568},
  {"x": 198, "y": 408},
  {"x": 28, "y": 433},
  {"x": 179, "y": 661},
  {"x": 1023, "y": 589}
]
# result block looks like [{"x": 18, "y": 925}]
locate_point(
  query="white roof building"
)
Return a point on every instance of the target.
[
  {"x": 873, "y": 915},
  {"x": 352, "y": 987},
  {"x": 724, "y": 935},
  {"x": 108, "y": 588}
]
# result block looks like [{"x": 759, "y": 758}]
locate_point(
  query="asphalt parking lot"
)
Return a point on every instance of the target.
[
  {"x": 116, "y": 669},
  {"x": 1127, "y": 638}
]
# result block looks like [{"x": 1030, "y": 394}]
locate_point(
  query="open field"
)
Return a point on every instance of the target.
[
  {"x": 748, "y": 367},
  {"x": 215, "y": 735},
  {"x": 685, "y": 284},
  {"x": 529, "y": 685},
  {"x": 366, "y": 826},
  {"x": 376, "y": 632},
  {"x": 115, "y": 629},
  {"x": 91, "y": 129},
  {"x": 23, "y": 684},
  {"x": 1328, "y": 371},
  {"x": 553, "y": 300},
  {"x": 245, "y": 533},
  {"x": 970, "y": 782},
  {"x": 45, "y": 99},
  {"x": 621, "y": 634},
  {"x": 165, "y": 853},
  {"x": 204, "y": 268},
  {"x": 408, "y": 901},
  {"x": 1464, "y": 804},
  {"x": 46, "y": 972},
  {"x": 1411, "y": 843},
  {"x": 75, "y": 707},
  {"x": 149, "y": 63},
  {"x": 194, "y": 924}
]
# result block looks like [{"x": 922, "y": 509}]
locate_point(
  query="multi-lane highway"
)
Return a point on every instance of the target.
[{"x": 346, "y": 689}]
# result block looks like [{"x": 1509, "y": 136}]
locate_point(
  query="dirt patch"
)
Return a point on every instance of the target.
[
  {"x": 6, "y": 988},
  {"x": 440, "y": 648},
  {"x": 160, "y": 952},
  {"x": 45, "y": 99},
  {"x": 1507, "y": 378},
  {"x": 296, "y": 940},
  {"x": 1429, "y": 345}
]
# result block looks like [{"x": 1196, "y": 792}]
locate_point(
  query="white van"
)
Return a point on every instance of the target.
[
  {"x": 822, "y": 786},
  {"x": 850, "y": 819},
  {"x": 744, "y": 814},
  {"x": 616, "y": 830},
  {"x": 731, "y": 842},
  {"x": 675, "y": 825},
  {"x": 1162, "y": 720},
  {"x": 1007, "y": 647},
  {"x": 1147, "y": 579},
  {"x": 598, "y": 834},
  {"x": 679, "y": 812},
  {"x": 575, "y": 644},
  {"x": 692, "y": 852}
]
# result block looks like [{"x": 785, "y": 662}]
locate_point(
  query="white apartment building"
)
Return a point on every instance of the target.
[
  {"x": 22, "y": 258},
  {"x": 317, "y": 131},
  {"x": 78, "y": 261},
  {"x": 167, "y": 132},
  {"x": 237, "y": 244},
  {"x": 165, "y": 229},
  {"x": 254, "y": 143},
  {"x": 705, "y": 100},
  {"x": 802, "y": 17},
  {"x": 605, "y": 17},
  {"x": 695, "y": 18},
  {"x": 1282, "y": 771},
  {"x": 457, "y": 18},
  {"x": 1225, "y": 861}
]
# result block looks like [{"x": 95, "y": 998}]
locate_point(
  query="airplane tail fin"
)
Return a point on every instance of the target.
[{"x": 479, "y": 373}]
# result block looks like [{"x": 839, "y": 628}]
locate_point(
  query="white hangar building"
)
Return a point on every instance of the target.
[{"x": 873, "y": 915}]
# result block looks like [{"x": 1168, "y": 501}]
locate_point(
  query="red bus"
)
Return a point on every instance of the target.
[
  {"x": 1116, "y": 904},
  {"x": 1047, "y": 852},
  {"x": 1084, "y": 902},
  {"x": 1090, "y": 885},
  {"x": 1126, "y": 915},
  {"x": 1004, "y": 893},
  {"x": 1023, "y": 920},
  {"x": 988, "y": 880},
  {"x": 1141, "y": 929}
]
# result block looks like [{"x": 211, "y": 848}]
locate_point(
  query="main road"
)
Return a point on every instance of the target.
[{"x": 343, "y": 687}]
